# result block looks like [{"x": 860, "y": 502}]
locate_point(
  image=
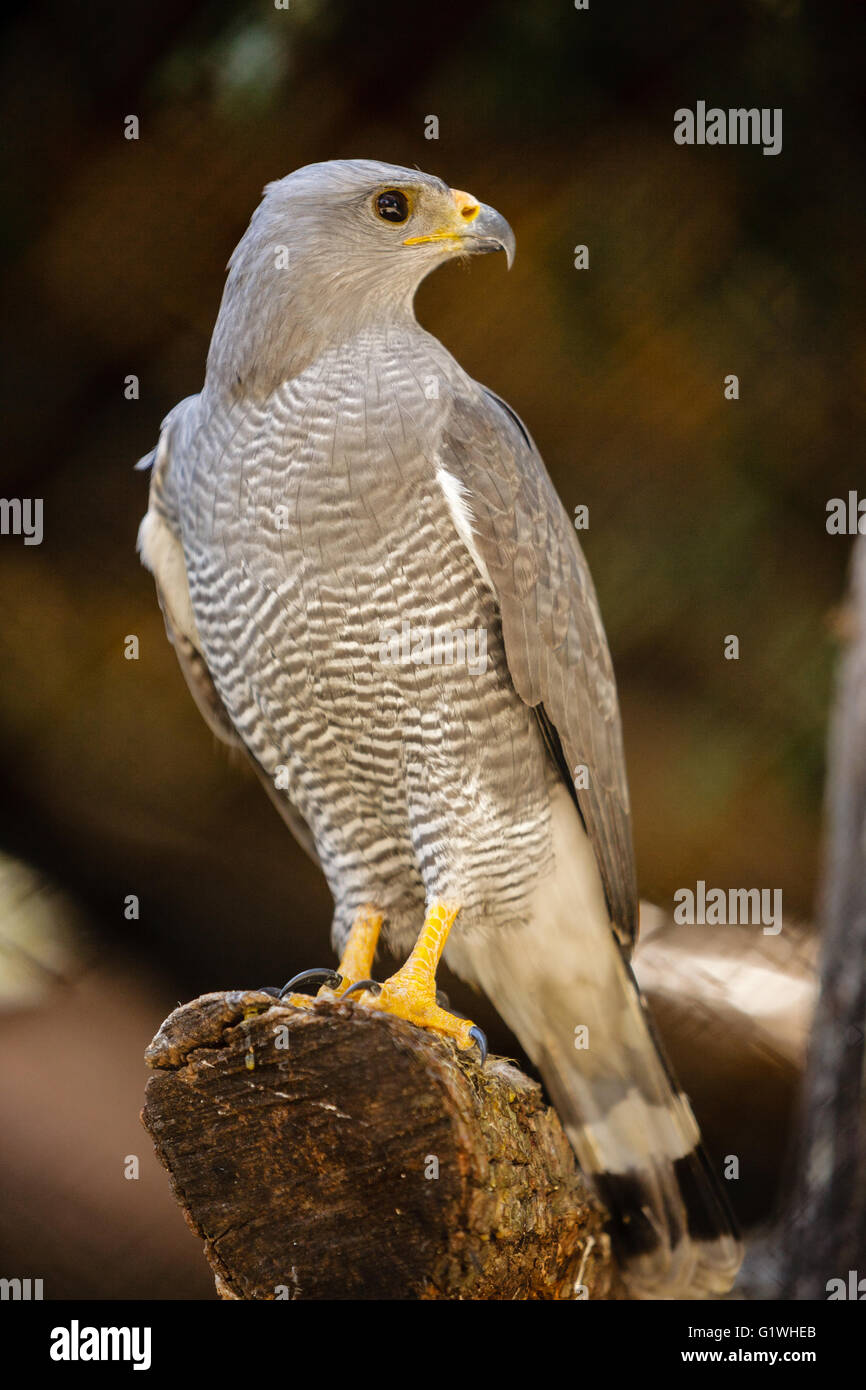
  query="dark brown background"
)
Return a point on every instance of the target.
[{"x": 706, "y": 516}]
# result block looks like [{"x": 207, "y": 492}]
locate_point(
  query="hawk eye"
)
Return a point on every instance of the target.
[{"x": 393, "y": 206}]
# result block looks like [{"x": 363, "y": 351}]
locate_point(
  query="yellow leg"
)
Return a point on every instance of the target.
[
  {"x": 356, "y": 962},
  {"x": 411, "y": 992}
]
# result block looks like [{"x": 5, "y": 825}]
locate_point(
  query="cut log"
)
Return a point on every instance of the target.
[{"x": 333, "y": 1152}]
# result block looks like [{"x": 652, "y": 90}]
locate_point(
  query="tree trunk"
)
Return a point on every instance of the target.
[{"x": 827, "y": 1231}]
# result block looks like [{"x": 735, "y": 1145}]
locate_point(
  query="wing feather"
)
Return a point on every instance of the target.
[{"x": 555, "y": 643}]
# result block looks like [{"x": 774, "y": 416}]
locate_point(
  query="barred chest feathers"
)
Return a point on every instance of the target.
[{"x": 355, "y": 640}]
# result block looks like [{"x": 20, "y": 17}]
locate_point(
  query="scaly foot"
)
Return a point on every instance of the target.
[
  {"x": 411, "y": 992},
  {"x": 356, "y": 963}
]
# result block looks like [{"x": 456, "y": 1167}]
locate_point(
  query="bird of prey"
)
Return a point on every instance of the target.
[{"x": 374, "y": 590}]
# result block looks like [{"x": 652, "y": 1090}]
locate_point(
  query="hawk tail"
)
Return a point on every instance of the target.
[
  {"x": 561, "y": 981},
  {"x": 671, "y": 1227}
]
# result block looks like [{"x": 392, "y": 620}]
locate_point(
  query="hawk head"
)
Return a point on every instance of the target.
[
  {"x": 405, "y": 221},
  {"x": 334, "y": 247}
]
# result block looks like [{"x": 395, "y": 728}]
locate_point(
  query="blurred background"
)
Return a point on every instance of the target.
[{"x": 706, "y": 516}]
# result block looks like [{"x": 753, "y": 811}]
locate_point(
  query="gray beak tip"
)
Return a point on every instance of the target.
[{"x": 493, "y": 233}]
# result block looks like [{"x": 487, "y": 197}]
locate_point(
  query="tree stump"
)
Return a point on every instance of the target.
[{"x": 333, "y": 1152}]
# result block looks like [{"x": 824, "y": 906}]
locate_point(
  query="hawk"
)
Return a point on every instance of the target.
[{"x": 374, "y": 590}]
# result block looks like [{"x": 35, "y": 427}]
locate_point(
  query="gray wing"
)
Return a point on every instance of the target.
[
  {"x": 162, "y": 552},
  {"x": 555, "y": 644}
]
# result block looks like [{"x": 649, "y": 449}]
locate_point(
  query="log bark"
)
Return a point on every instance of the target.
[{"x": 332, "y": 1152}]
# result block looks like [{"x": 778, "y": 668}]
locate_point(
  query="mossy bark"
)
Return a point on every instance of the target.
[{"x": 337, "y": 1153}]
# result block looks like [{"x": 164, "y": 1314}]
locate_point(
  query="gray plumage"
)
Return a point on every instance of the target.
[{"x": 338, "y": 478}]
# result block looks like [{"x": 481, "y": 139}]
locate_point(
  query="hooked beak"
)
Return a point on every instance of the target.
[
  {"x": 474, "y": 228},
  {"x": 489, "y": 231}
]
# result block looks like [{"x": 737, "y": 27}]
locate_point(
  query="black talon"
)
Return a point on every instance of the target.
[
  {"x": 329, "y": 977},
  {"x": 479, "y": 1037},
  {"x": 372, "y": 985}
]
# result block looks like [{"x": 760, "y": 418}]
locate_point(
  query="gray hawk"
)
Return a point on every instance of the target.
[{"x": 374, "y": 590}]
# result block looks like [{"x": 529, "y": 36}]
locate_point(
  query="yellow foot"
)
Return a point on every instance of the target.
[
  {"x": 411, "y": 992},
  {"x": 356, "y": 964}
]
